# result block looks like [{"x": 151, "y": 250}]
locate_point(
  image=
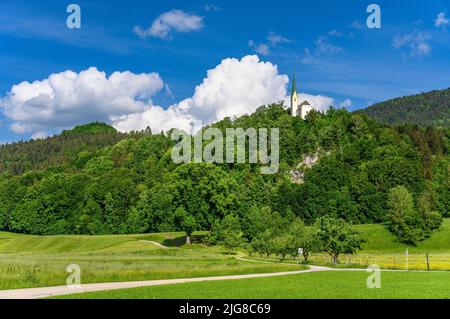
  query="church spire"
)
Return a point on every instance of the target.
[
  {"x": 294, "y": 97},
  {"x": 294, "y": 85}
]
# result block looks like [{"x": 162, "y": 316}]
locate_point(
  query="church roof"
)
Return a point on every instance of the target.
[{"x": 305, "y": 103}]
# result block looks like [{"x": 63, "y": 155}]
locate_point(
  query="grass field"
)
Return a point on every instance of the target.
[
  {"x": 383, "y": 249},
  {"x": 320, "y": 285},
  {"x": 380, "y": 240},
  {"x": 36, "y": 261}
]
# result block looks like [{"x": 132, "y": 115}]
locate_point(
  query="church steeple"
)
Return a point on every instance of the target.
[
  {"x": 294, "y": 85},
  {"x": 294, "y": 97}
]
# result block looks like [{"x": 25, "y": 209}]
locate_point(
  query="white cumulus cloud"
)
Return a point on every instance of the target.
[
  {"x": 233, "y": 88},
  {"x": 168, "y": 22},
  {"x": 68, "y": 98}
]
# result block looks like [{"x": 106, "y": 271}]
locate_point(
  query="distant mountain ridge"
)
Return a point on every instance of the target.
[{"x": 425, "y": 109}]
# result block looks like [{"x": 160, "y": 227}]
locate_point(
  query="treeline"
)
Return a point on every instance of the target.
[
  {"x": 425, "y": 109},
  {"x": 61, "y": 152},
  {"x": 133, "y": 186},
  {"x": 270, "y": 234}
]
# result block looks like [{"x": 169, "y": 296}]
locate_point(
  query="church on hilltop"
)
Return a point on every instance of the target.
[{"x": 298, "y": 109}]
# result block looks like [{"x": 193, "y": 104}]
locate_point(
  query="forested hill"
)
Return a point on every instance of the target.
[
  {"x": 91, "y": 182},
  {"x": 425, "y": 109},
  {"x": 72, "y": 146},
  {"x": 91, "y": 128}
]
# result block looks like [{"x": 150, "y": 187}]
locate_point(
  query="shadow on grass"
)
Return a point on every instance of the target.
[
  {"x": 229, "y": 253},
  {"x": 180, "y": 241}
]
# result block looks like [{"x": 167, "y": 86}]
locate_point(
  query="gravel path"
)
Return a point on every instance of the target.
[
  {"x": 154, "y": 243},
  {"x": 35, "y": 293}
]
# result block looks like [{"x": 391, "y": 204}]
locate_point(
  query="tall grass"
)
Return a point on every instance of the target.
[{"x": 42, "y": 261}]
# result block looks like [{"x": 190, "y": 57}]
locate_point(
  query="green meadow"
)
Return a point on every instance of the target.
[
  {"x": 320, "y": 285},
  {"x": 37, "y": 261},
  {"x": 383, "y": 249},
  {"x": 380, "y": 240}
]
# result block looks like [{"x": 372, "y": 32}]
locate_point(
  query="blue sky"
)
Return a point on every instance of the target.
[{"x": 325, "y": 42}]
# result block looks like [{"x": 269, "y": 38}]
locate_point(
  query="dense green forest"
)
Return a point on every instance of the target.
[
  {"x": 93, "y": 180},
  {"x": 425, "y": 109}
]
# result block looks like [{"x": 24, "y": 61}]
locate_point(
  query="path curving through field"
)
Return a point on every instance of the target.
[
  {"x": 43, "y": 292},
  {"x": 154, "y": 243},
  {"x": 36, "y": 293}
]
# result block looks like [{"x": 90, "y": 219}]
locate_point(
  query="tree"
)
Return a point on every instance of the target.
[
  {"x": 307, "y": 239},
  {"x": 337, "y": 237},
  {"x": 227, "y": 232},
  {"x": 304, "y": 237},
  {"x": 282, "y": 245},
  {"x": 232, "y": 232},
  {"x": 426, "y": 206},
  {"x": 205, "y": 191},
  {"x": 186, "y": 222},
  {"x": 402, "y": 218}
]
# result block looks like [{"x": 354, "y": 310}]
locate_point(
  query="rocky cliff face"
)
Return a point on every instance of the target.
[{"x": 308, "y": 161}]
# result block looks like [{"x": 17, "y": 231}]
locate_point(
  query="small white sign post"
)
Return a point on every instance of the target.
[{"x": 300, "y": 253}]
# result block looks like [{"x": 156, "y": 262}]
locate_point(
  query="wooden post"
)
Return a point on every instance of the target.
[{"x": 428, "y": 263}]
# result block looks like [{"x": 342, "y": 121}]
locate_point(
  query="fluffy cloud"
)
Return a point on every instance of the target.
[
  {"x": 68, "y": 98},
  {"x": 155, "y": 117},
  {"x": 441, "y": 20},
  {"x": 167, "y": 22},
  {"x": 416, "y": 43},
  {"x": 233, "y": 88},
  {"x": 236, "y": 87}
]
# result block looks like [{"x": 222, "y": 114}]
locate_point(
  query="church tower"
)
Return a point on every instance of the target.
[
  {"x": 298, "y": 109},
  {"x": 294, "y": 97}
]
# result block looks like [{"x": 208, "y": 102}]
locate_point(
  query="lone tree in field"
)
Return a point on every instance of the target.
[
  {"x": 186, "y": 222},
  {"x": 337, "y": 237}
]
